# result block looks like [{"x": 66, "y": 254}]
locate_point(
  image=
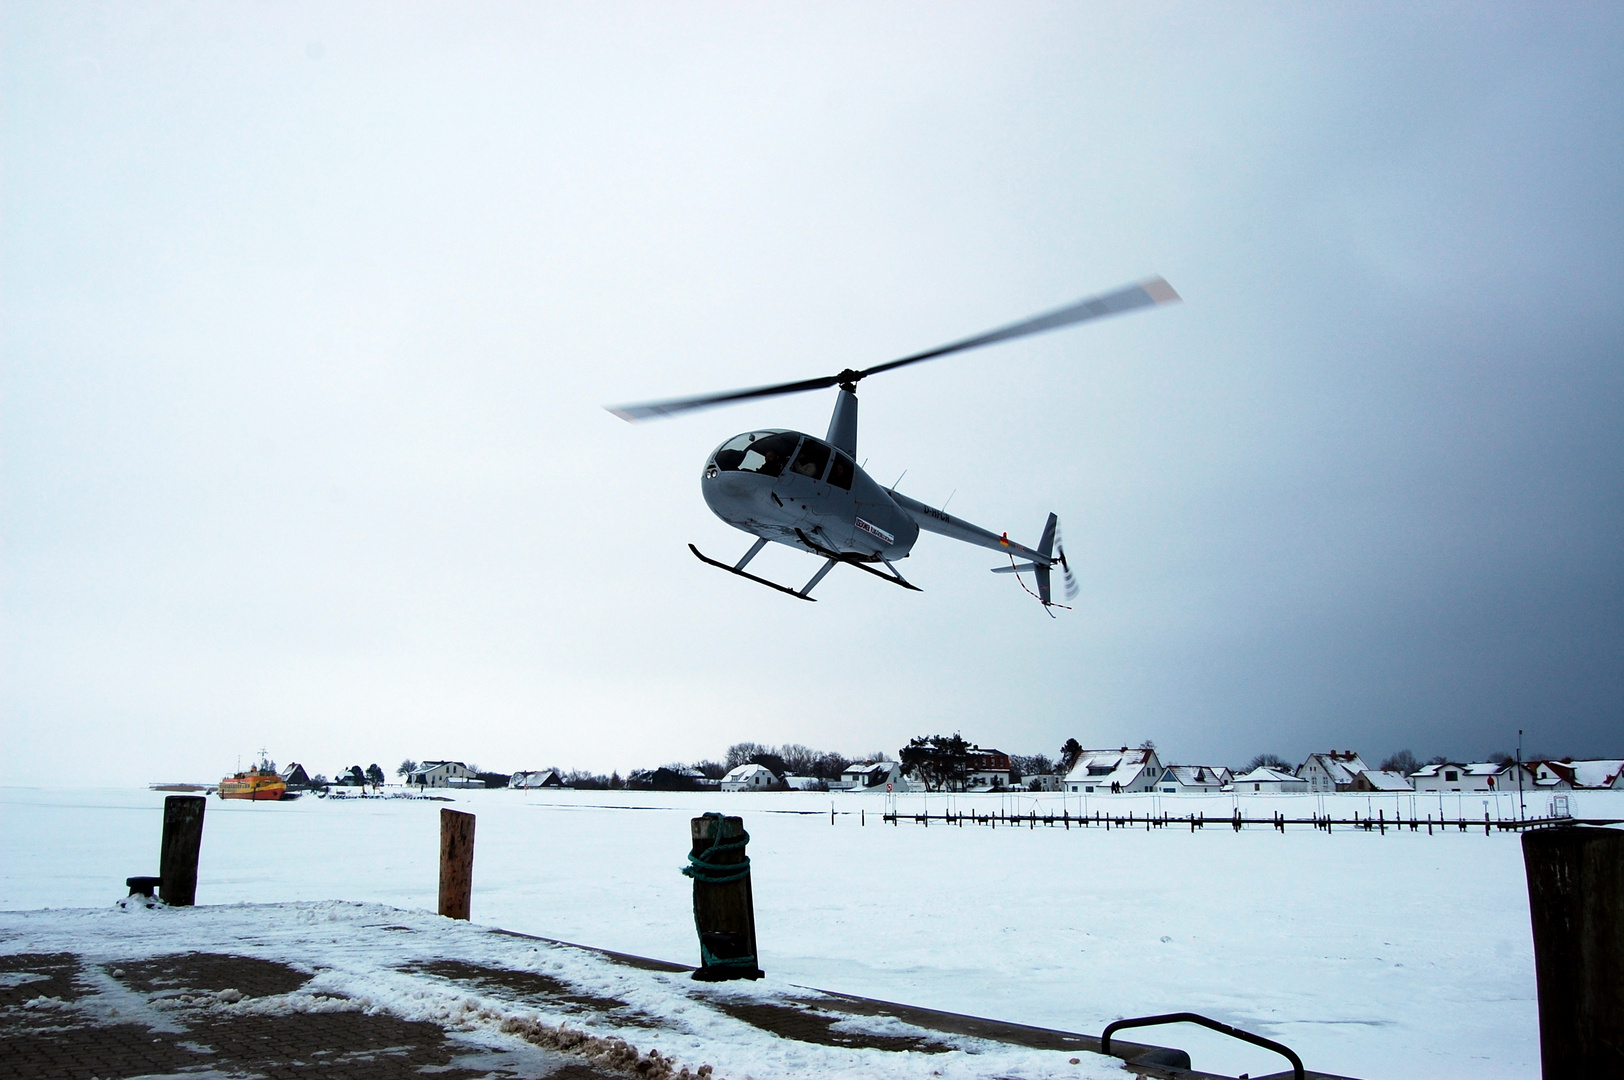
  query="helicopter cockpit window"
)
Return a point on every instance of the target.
[
  {"x": 732, "y": 452},
  {"x": 812, "y": 459},
  {"x": 763, "y": 452},
  {"x": 840, "y": 473}
]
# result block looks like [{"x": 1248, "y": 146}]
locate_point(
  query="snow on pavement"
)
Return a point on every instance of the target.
[{"x": 369, "y": 957}]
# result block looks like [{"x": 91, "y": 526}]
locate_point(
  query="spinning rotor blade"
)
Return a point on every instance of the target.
[
  {"x": 653, "y": 410},
  {"x": 1145, "y": 294},
  {"x": 1071, "y": 581}
]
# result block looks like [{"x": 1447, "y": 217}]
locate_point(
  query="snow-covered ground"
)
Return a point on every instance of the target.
[{"x": 1404, "y": 955}]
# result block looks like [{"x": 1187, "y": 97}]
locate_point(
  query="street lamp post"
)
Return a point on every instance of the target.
[{"x": 1519, "y": 776}]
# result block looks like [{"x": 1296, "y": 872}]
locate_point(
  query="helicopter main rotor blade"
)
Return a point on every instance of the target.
[
  {"x": 653, "y": 410},
  {"x": 1145, "y": 294}
]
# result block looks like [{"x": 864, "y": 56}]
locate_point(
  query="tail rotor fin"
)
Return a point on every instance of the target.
[{"x": 1041, "y": 570}]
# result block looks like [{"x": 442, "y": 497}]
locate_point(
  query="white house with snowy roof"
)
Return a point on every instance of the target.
[
  {"x": 443, "y": 774},
  {"x": 1265, "y": 780},
  {"x": 1333, "y": 770},
  {"x": 749, "y": 777},
  {"x": 1100, "y": 772},
  {"x": 1466, "y": 776},
  {"x": 1597, "y": 774},
  {"x": 862, "y": 775},
  {"x": 1193, "y": 779}
]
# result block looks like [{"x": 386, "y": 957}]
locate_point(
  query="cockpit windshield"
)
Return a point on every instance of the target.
[{"x": 765, "y": 452}]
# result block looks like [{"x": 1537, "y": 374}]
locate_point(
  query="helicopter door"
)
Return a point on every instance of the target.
[
  {"x": 812, "y": 460},
  {"x": 840, "y": 473}
]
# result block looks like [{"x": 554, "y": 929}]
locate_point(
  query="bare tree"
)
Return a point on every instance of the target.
[{"x": 1402, "y": 762}]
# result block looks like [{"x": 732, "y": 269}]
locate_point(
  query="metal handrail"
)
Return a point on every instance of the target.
[{"x": 1206, "y": 1022}]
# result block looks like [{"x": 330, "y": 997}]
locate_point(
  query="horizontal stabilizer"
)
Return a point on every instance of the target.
[{"x": 1023, "y": 568}]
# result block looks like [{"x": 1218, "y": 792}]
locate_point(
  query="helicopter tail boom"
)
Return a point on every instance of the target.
[
  {"x": 1040, "y": 561},
  {"x": 933, "y": 520}
]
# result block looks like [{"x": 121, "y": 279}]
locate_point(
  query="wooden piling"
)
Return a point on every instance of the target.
[
  {"x": 1576, "y": 904},
  {"x": 456, "y": 864},
  {"x": 177, "y": 853},
  {"x": 724, "y": 910}
]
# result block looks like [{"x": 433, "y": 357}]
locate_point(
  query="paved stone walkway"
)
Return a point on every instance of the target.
[{"x": 192, "y": 1015}]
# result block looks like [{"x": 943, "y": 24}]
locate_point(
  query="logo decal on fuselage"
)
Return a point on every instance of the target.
[{"x": 875, "y": 530}]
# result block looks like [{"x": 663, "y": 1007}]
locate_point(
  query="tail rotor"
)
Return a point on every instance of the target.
[{"x": 1060, "y": 556}]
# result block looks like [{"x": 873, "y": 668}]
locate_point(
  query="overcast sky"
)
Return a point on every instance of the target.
[{"x": 310, "y": 313}]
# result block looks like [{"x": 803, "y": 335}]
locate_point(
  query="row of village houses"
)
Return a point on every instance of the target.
[
  {"x": 1119, "y": 771},
  {"x": 1127, "y": 771}
]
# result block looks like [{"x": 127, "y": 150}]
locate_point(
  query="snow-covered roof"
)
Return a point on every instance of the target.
[
  {"x": 1386, "y": 781},
  {"x": 864, "y": 768},
  {"x": 1266, "y": 775},
  {"x": 744, "y": 772},
  {"x": 1470, "y": 768},
  {"x": 1199, "y": 775},
  {"x": 1120, "y": 766},
  {"x": 1592, "y": 773},
  {"x": 1341, "y": 765}
]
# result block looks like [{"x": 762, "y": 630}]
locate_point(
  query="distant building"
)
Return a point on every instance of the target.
[
  {"x": 1375, "y": 780},
  {"x": 1114, "y": 771},
  {"x": 543, "y": 778},
  {"x": 988, "y": 769},
  {"x": 1596, "y": 774},
  {"x": 861, "y": 775},
  {"x": 1041, "y": 782},
  {"x": 294, "y": 776},
  {"x": 1331, "y": 771},
  {"x": 749, "y": 777},
  {"x": 443, "y": 774},
  {"x": 1193, "y": 779},
  {"x": 1466, "y": 776},
  {"x": 1265, "y": 780}
]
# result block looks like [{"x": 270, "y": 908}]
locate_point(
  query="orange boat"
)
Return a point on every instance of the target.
[{"x": 260, "y": 783}]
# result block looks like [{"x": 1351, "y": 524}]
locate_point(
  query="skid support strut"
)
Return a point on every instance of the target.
[{"x": 851, "y": 560}]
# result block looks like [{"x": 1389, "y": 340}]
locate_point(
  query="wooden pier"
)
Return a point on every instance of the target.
[{"x": 1237, "y": 821}]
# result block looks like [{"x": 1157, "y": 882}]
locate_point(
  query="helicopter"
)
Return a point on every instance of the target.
[{"x": 810, "y": 494}]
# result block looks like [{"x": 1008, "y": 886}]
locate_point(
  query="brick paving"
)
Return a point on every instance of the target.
[
  {"x": 175, "y": 1016},
  {"x": 179, "y": 1021}
]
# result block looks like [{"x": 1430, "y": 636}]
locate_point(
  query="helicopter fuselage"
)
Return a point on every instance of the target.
[{"x": 797, "y": 489}]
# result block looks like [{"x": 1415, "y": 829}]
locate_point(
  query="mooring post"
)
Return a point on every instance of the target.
[
  {"x": 456, "y": 864},
  {"x": 1576, "y": 904},
  {"x": 177, "y": 852},
  {"x": 724, "y": 909}
]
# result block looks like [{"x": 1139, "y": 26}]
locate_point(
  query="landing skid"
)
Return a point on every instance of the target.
[
  {"x": 832, "y": 558},
  {"x": 744, "y": 574}
]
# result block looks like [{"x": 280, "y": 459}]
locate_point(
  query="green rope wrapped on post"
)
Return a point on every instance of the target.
[
  {"x": 702, "y": 867},
  {"x": 705, "y": 868}
]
